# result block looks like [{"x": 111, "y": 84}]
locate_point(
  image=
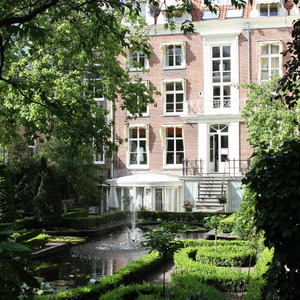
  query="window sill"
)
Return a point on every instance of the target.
[
  {"x": 137, "y": 168},
  {"x": 174, "y": 68},
  {"x": 173, "y": 167}
]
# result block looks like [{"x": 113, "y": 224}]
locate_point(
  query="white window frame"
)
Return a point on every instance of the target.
[
  {"x": 165, "y": 140},
  {"x": 211, "y": 41},
  {"x": 165, "y": 47},
  {"x": 138, "y": 165},
  {"x": 146, "y": 113},
  {"x": 32, "y": 149},
  {"x": 90, "y": 82},
  {"x": 269, "y": 56},
  {"x": 99, "y": 161},
  {"x": 139, "y": 56},
  {"x": 174, "y": 92}
]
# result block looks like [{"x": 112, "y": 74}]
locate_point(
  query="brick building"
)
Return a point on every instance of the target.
[{"x": 192, "y": 144}]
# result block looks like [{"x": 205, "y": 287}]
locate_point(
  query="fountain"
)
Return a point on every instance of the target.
[{"x": 94, "y": 259}]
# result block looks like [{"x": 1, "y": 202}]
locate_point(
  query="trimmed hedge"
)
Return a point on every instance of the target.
[
  {"x": 225, "y": 279},
  {"x": 257, "y": 281},
  {"x": 227, "y": 256},
  {"x": 184, "y": 288},
  {"x": 227, "y": 225},
  {"x": 132, "y": 272},
  {"x": 76, "y": 213}
]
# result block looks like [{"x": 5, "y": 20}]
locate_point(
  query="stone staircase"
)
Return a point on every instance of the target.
[{"x": 209, "y": 188}]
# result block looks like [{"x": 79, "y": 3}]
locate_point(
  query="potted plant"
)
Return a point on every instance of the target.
[
  {"x": 222, "y": 198},
  {"x": 188, "y": 205}
]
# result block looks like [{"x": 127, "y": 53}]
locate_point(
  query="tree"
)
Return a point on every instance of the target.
[
  {"x": 54, "y": 56},
  {"x": 268, "y": 122},
  {"x": 274, "y": 183},
  {"x": 164, "y": 242},
  {"x": 47, "y": 203}
]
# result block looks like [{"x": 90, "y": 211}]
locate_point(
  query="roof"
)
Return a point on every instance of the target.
[{"x": 147, "y": 179}]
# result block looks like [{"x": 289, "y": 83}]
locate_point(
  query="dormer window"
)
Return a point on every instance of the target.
[
  {"x": 269, "y": 10},
  {"x": 175, "y": 16}
]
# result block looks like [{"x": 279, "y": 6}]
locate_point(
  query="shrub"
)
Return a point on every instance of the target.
[
  {"x": 257, "y": 282},
  {"x": 7, "y": 209},
  {"x": 228, "y": 224},
  {"x": 225, "y": 279},
  {"x": 48, "y": 204},
  {"x": 132, "y": 272}
]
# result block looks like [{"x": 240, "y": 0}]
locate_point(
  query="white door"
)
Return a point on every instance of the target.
[{"x": 218, "y": 147}]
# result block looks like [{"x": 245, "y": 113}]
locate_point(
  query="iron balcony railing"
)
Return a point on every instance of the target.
[{"x": 195, "y": 167}]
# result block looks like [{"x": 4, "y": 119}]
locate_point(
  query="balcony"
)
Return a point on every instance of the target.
[{"x": 195, "y": 108}]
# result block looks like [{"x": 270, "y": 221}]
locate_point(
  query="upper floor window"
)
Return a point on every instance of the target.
[
  {"x": 221, "y": 76},
  {"x": 138, "y": 61},
  {"x": 94, "y": 85},
  {"x": 144, "y": 108},
  {"x": 268, "y": 10},
  {"x": 175, "y": 16},
  {"x": 269, "y": 60},
  {"x": 174, "y": 96},
  {"x": 173, "y": 55},
  {"x": 208, "y": 15},
  {"x": 137, "y": 146}
]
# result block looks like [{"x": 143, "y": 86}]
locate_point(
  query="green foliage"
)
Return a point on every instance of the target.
[
  {"x": 26, "y": 183},
  {"x": 81, "y": 213},
  {"x": 213, "y": 222},
  {"x": 257, "y": 282},
  {"x": 164, "y": 242},
  {"x": 224, "y": 279},
  {"x": 227, "y": 225},
  {"x": 132, "y": 272},
  {"x": 47, "y": 203},
  {"x": 273, "y": 182},
  {"x": 269, "y": 122},
  {"x": 7, "y": 208},
  {"x": 227, "y": 256},
  {"x": 13, "y": 258}
]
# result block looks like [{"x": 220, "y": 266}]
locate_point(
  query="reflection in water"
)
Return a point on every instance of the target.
[{"x": 94, "y": 259}]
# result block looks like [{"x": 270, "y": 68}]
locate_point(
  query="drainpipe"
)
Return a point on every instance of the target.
[
  {"x": 248, "y": 43},
  {"x": 112, "y": 137}
]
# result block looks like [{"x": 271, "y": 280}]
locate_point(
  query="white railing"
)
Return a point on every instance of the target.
[{"x": 212, "y": 107}]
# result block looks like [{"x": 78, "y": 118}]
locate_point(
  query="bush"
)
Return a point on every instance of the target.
[
  {"x": 257, "y": 282},
  {"x": 225, "y": 279},
  {"x": 227, "y": 256},
  {"x": 81, "y": 213},
  {"x": 47, "y": 203},
  {"x": 132, "y": 272},
  {"x": 227, "y": 225},
  {"x": 7, "y": 209}
]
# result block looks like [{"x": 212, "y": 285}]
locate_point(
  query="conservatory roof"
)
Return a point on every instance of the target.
[{"x": 147, "y": 179}]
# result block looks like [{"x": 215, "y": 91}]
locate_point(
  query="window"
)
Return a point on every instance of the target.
[
  {"x": 174, "y": 96},
  {"x": 269, "y": 10},
  {"x": 144, "y": 109},
  {"x": 94, "y": 86},
  {"x": 137, "y": 144},
  {"x": 221, "y": 76},
  {"x": 138, "y": 61},
  {"x": 173, "y": 55},
  {"x": 234, "y": 13},
  {"x": 208, "y": 15},
  {"x": 175, "y": 16},
  {"x": 174, "y": 145},
  {"x": 99, "y": 158},
  {"x": 32, "y": 147},
  {"x": 270, "y": 60}
]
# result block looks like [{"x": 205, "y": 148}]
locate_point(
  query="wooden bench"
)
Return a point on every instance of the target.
[{"x": 69, "y": 203}]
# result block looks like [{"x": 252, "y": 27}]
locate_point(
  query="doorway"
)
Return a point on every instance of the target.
[{"x": 218, "y": 147}]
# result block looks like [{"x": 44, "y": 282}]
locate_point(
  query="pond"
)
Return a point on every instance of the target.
[{"x": 90, "y": 261}]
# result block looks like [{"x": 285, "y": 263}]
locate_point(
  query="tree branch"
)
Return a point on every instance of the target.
[{"x": 28, "y": 17}]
